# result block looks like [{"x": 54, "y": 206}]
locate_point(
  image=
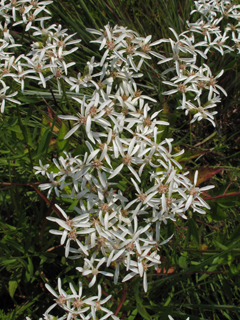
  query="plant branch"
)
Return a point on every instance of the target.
[
  {"x": 121, "y": 302},
  {"x": 223, "y": 196},
  {"x": 182, "y": 273}
]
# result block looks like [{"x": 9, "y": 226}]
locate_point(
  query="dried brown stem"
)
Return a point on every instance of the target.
[
  {"x": 182, "y": 273},
  {"x": 121, "y": 302},
  {"x": 21, "y": 184},
  {"x": 179, "y": 230},
  {"x": 223, "y": 196}
]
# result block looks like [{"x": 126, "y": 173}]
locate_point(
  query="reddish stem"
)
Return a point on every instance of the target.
[
  {"x": 190, "y": 272},
  {"x": 227, "y": 188},
  {"x": 121, "y": 302},
  {"x": 206, "y": 224},
  {"x": 48, "y": 202},
  {"x": 179, "y": 230},
  {"x": 223, "y": 196},
  {"x": 20, "y": 184}
]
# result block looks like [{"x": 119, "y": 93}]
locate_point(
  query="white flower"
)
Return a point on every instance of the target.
[
  {"x": 61, "y": 298},
  {"x": 53, "y": 184},
  {"x": 6, "y": 32},
  {"x": 4, "y": 97},
  {"x": 128, "y": 159},
  {"x": 22, "y": 75},
  {"x": 43, "y": 31},
  {"x": 29, "y": 18},
  {"x": 42, "y": 169},
  {"x": 203, "y": 113},
  {"x": 97, "y": 306},
  {"x": 89, "y": 113},
  {"x": 145, "y": 46},
  {"x": 58, "y": 73},
  {"x": 37, "y": 66},
  {"x": 72, "y": 228},
  {"x": 194, "y": 198},
  {"x": 77, "y": 83},
  {"x": 62, "y": 43},
  {"x": 76, "y": 302},
  {"x": 88, "y": 268},
  {"x": 166, "y": 154}
]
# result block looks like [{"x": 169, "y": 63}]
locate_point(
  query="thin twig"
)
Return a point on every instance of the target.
[
  {"x": 121, "y": 302},
  {"x": 206, "y": 224},
  {"x": 21, "y": 184},
  {"x": 182, "y": 273},
  {"x": 223, "y": 196},
  {"x": 49, "y": 203},
  {"x": 227, "y": 188},
  {"x": 179, "y": 230}
]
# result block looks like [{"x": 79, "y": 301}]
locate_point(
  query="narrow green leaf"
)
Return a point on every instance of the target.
[
  {"x": 43, "y": 145},
  {"x": 218, "y": 244},
  {"x": 30, "y": 266},
  {"x": 142, "y": 311},
  {"x": 61, "y": 142},
  {"x": 12, "y": 286},
  {"x": 193, "y": 231},
  {"x": 133, "y": 314},
  {"x": 7, "y": 261}
]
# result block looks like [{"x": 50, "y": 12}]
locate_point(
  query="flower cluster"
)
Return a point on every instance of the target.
[
  {"x": 128, "y": 180},
  {"x": 75, "y": 305},
  {"x": 191, "y": 76},
  {"x": 45, "y": 61},
  {"x": 213, "y": 13},
  {"x": 123, "y": 139},
  {"x": 194, "y": 44}
]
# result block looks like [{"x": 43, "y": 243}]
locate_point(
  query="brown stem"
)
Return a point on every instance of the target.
[
  {"x": 179, "y": 230},
  {"x": 106, "y": 294},
  {"x": 227, "y": 188},
  {"x": 49, "y": 203},
  {"x": 190, "y": 272},
  {"x": 33, "y": 184},
  {"x": 20, "y": 184},
  {"x": 121, "y": 302},
  {"x": 206, "y": 224},
  {"x": 223, "y": 196}
]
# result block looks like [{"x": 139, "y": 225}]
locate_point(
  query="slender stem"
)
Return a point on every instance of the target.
[
  {"x": 122, "y": 176},
  {"x": 226, "y": 168},
  {"x": 55, "y": 101},
  {"x": 208, "y": 251},
  {"x": 20, "y": 184},
  {"x": 227, "y": 188},
  {"x": 206, "y": 224},
  {"x": 179, "y": 230},
  {"x": 182, "y": 273},
  {"x": 121, "y": 302},
  {"x": 223, "y": 196},
  {"x": 48, "y": 202}
]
